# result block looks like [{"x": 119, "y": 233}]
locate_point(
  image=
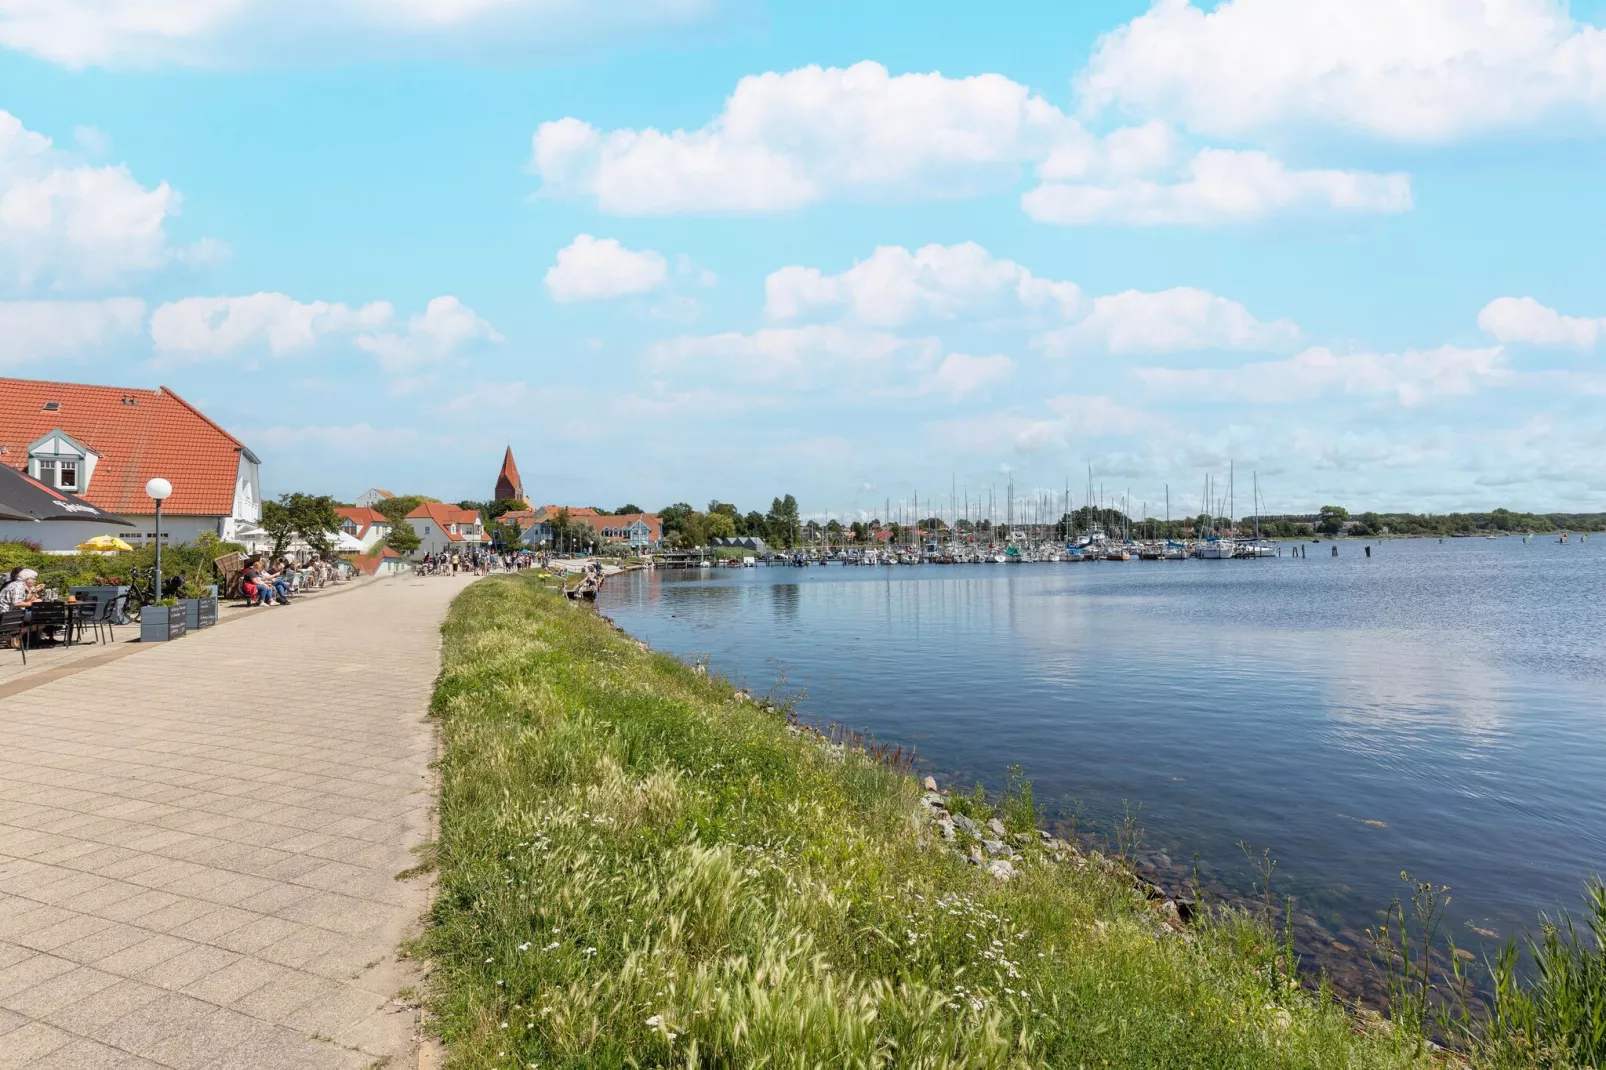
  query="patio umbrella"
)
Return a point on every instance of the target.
[
  {"x": 103, "y": 544},
  {"x": 24, "y": 498}
]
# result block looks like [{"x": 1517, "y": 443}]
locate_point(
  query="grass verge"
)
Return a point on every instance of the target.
[{"x": 639, "y": 868}]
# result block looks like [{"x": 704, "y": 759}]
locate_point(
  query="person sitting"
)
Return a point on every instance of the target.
[
  {"x": 18, "y": 589},
  {"x": 258, "y": 585}
]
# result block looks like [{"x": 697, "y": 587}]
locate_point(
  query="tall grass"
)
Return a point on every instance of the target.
[
  {"x": 638, "y": 867},
  {"x": 1558, "y": 1019}
]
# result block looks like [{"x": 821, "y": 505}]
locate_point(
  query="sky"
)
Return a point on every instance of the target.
[{"x": 680, "y": 250}]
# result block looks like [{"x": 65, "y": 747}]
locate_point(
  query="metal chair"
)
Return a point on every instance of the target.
[
  {"x": 49, "y": 615},
  {"x": 85, "y": 611},
  {"x": 13, "y": 624}
]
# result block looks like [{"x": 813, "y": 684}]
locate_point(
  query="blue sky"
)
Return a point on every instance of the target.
[{"x": 733, "y": 249}]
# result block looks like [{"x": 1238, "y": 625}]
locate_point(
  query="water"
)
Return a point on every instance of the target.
[{"x": 1438, "y": 708}]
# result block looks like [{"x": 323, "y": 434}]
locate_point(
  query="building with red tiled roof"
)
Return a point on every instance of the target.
[
  {"x": 372, "y": 497},
  {"x": 365, "y": 525},
  {"x": 442, "y": 528},
  {"x": 105, "y": 442},
  {"x": 536, "y": 527},
  {"x": 386, "y": 562}
]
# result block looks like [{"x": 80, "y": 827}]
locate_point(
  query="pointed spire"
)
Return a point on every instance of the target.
[{"x": 508, "y": 484}]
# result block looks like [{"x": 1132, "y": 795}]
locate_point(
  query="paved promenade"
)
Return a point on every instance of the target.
[{"x": 199, "y": 843}]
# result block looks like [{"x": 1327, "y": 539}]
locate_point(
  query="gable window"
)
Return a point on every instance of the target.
[
  {"x": 69, "y": 475},
  {"x": 46, "y": 473}
]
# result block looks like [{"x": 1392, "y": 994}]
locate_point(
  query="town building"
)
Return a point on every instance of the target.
[
  {"x": 104, "y": 443},
  {"x": 363, "y": 524},
  {"x": 382, "y": 562},
  {"x": 370, "y": 498},
  {"x": 537, "y": 526},
  {"x": 442, "y": 528}
]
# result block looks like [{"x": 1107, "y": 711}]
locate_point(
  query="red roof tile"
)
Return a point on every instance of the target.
[
  {"x": 137, "y": 433},
  {"x": 363, "y": 517},
  {"x": 444, "y": 514}
]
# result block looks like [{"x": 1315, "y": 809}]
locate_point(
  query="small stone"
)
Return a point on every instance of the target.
[
  {"x": 1001, "y": 869},
  {"x": 930, "y": 783},
  {"x": 947, "y": 828},
  {"x": 996, "y": 827},
  {"x": 1022, "y": 838},
  {"x": 967, "y": 824},
  {"x": 994, "y": 847},
  {"x": 931, "y": 798},
  {"x": 974, "y": 856}
]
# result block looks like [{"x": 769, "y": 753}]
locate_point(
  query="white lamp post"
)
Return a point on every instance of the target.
[{"x": 158, "y": 489}]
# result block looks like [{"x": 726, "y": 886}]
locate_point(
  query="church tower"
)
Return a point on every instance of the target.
[{"x": 508, "y": 484}]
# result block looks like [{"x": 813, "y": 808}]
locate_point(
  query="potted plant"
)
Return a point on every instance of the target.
[
  {"x": 161, "y": 621},
  {"x": 200, "y": 606}
]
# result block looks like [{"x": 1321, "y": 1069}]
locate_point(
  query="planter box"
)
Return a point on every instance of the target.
[
  {"x": 102, "y": 594},
  {"x": 158, "y": 624},
  {"x": 199, "y": 612}
]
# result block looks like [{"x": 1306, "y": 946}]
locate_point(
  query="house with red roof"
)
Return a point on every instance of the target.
[
  {"x": 372, "y": 497},
  {"x": 536, "y": 527},
  {"x": 365, "y": 525},
  {"x": 442, "y": 528},
  {"x": 382, "y": 562},
  {"x": 104, "y": 443}
]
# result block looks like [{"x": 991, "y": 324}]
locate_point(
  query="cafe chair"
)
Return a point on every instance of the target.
[
  {"x": 86, "y": 611},
  {"x": 49, "y": 615},
  {"x": 13, "y": 623}
]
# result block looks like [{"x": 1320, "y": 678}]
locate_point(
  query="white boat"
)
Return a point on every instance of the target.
[{"x": 1215, "y": 550}]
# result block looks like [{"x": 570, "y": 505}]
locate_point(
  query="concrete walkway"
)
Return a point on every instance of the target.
[{"x": 199, "y": 843}]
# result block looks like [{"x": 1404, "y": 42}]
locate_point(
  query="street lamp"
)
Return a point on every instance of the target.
[{"x": 158, "y": 489}]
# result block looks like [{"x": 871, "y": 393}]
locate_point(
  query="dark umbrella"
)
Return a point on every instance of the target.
[{"x": 24, "y": 498}]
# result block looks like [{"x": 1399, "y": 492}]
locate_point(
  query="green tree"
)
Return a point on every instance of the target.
[
  {"x": 310, "y": 517},
  {"x": 860, "y": 531},
  {"x": 403, "y": 539},
  {"x": 1331, "y": 519},
  {"x": 720, "y": 525},
  {"x": 627, "y": 509},
  {"x": 395, "y": 509},
  {"x": 674, "y": 517},
  {"x": 782, "y": 523}
]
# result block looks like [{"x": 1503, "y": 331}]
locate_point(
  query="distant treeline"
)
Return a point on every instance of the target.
[{"x": 1335, "y": 520}]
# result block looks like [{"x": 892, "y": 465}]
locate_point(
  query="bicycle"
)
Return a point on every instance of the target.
[{"x": 142, "y": 590}]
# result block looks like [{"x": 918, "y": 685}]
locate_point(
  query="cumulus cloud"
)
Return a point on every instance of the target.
[
  {"x": 1219, "y": 186},
  {"x": 222, "y": 33},
  {"x": 200, "y": 328},
  {"x": 895, "y": 286},
  {"x": 34, "y": 330},
  {"x": 797, "y": 356},
  {"x": 785, "y": 140},
  {"x": 1069, "y": 418},
  {"x": 1177, "y": 320},
  {"x": 960, "y": 375},
  {"x": 66, "y": 223},
  {"x": 444, "y": 327},
  {"x": 1412, "y": 377},
  {"x": 1525, "y": 321},
  {"x": 591, "y": 268},
  {"x": 203, "y": 327},
  {"x": 1418, "y": 71}
]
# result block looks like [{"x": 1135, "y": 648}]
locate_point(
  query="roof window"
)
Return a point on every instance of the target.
[{"x": 52, "y": 406}]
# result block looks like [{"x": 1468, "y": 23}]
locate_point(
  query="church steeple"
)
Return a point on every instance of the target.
[{"x": 508, "y": 484}]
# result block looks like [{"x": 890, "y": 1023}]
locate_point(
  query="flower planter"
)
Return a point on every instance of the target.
[
  {"x": 199, "y": 612},
  {"x": 158, "y": 624}
]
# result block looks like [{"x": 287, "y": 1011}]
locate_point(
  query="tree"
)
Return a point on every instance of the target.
[
  {"x": 627, "y": 509},
  {"x": 403, "y": 539},
  {"x": 720, "y": 525},
  {"x": 310, "y": 517},
  {"x": 396, "y": 509},
  {"x": 860, "y": 531},
  {"x": 1331, "y": 519},
  {"x": 674, "y": 517},
  {"x": 782, "y": 522},
  {"x": 752, "y": 524}
]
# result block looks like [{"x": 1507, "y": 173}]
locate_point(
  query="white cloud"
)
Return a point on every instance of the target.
[
  {"x": 1412, "y": 377},
  {"x": 1413, "y": 70},
  {"x": 785, "y": 140},
  {"x": 445, "y": 326},
  {"x": 798, "y": 356},
  {"x": 67, "y": 223},
  {"x": 220, "y": 33},
  {"x": 202, "y": 327},
  {"x": 590, "y": 268},
  {"x": 1167, "y": 321},
  {"x": 210, "y": 327},
  {"x": 895, "y": 287},
  {"x": 1218, "y": 186},
  {"x": 1524, "y": 320},
  {"x": 960, "y": 375},
  {"x": 1070, "y": 418},
  {"x": 34, "y": 330}
]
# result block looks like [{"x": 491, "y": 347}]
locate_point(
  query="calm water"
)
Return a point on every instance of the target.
[{"x": 1438, "y": 708}]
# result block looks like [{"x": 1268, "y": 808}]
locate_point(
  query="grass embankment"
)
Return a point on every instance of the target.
[{"x": 638, "y": 867}]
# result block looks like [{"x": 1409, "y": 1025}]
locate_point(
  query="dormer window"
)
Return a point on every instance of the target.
[{"x": 67, "y": 474}]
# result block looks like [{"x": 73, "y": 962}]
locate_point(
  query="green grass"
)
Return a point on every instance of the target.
[{"x": 638, "y": 868}]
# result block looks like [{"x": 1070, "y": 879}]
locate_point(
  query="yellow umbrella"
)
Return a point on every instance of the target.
[{"x": 103, "y": 544}]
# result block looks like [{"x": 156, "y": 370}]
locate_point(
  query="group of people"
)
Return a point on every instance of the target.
[{"x": 265, "y": 585}]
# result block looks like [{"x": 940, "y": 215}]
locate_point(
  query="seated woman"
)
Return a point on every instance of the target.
[
  {"x": 258, "y": 587},
  {"x": 18, "y": 589}
]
